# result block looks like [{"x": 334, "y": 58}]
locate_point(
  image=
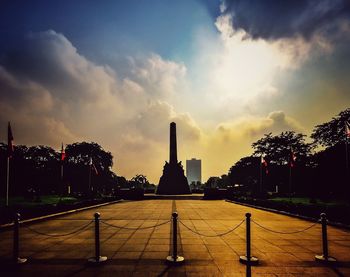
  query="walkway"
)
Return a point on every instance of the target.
[{"x": 142, "y": 252}]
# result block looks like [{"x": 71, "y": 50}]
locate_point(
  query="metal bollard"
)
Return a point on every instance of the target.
[
  {"x": 16, "y": 258},
  {"x": 98, "y": 258},
  {"x": 324, "y": 257},
  {"x": 174, "y": 258},
  {"x": 248, "y": 260}
]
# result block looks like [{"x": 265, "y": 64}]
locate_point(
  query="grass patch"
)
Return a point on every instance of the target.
[
  {"x": 307, "y": 201},
  {"x": 44, "y": 200}
]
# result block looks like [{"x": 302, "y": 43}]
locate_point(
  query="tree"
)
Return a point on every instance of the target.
[
  {"x": 213, "y": 182},
  {"x": 41, "y": 155},
  {"x": 333, "y": 132},
  {"x": 77, "y": 167},
  {"x": 39, "y": 168},
  {"x": 224, "y": 181},
  {"x": 122, "y": 182},
  {"x": 332, "y": 170},
  {"x": 35, "y": 167},
  {"x": 81, "y": 152},
  {"x": 278, "y": 148},
  {"x": 246, "y": 172},
  {"x": 44, "y": 168},
  {"x": 139, "y": 181},
  {"x": 330, "y": 173}
]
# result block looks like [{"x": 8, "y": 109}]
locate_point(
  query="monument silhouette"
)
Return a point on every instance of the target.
[{"x": 173, "y": 181}]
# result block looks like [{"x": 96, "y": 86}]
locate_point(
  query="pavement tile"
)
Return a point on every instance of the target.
[
  {"x": 159, "y": 255},
  {"x": 157, "y": 247},
  {"x": 127, "y": 255},
  {"x": 132, "y": 247},
  {"x": 194, "y": 247},
  {"x": 142, "y": 252},
  {"x": 158, "y": 241},
  {"x": 196, "y": 255}
]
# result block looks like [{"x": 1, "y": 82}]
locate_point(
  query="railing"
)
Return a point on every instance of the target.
[{"x": 248, "y": 259}]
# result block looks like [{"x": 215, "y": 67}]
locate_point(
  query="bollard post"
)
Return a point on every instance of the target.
[
  {"x": 16, "y": 258},
  {"x": 174, "y": 258},
  {"x": 98, "y": 258},
  {"x": 248, "y": 259},
  {"x": 324, "y": 257}
]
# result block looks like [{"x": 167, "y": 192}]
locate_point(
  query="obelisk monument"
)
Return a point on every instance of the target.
[{"x": 173, "y": 180}]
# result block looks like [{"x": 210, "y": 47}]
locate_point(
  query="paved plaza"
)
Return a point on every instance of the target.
[{"x": 141, "y": 251}]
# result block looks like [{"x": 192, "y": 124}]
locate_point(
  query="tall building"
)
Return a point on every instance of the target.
[{"x": 194, "y": 170}]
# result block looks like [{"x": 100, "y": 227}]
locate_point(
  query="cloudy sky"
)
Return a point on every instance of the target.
[{"x": 118, "y": 72}]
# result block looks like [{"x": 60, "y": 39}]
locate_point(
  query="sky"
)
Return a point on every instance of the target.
[{"x": 118, "y": 72}]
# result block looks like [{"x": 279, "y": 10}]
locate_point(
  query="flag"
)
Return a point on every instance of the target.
[
  {"x": 347, "y": 129},
  {"x": 63, "y": 154},
  {"x": 264, "y": 164},
  {"x": 292, "y": 158},
  {"x": 10, "y": 148}
]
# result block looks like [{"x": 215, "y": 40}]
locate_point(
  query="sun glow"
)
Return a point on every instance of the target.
[
  {"x": 233, "y": 67},
  {"x": 244, "y": 68}
]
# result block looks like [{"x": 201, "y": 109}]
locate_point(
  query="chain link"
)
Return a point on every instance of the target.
[
  {"x": 217, "y": 235},
  {"x": 59, "y": 235},
  {"x": 134, "y": 228},
  {"x": 285, "y": 233},
  {"x": 69, "y": 219}
]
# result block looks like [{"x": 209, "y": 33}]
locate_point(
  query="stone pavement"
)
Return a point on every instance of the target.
[{"x": 142, "y": 252}]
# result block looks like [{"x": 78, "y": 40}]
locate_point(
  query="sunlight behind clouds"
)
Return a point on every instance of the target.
[
  {"x": 230, "y": 88},
  {"x": 233, "y": 69}
]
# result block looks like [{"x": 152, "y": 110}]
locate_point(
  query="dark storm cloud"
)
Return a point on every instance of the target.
[
  {"x": 43, "y": 58},
  {"x": 275, "y": 19}
]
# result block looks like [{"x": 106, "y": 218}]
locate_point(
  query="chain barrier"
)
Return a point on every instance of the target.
[
  {"x": 69, "y": 219},
  {"x": 285, "y": 233},
  {"x": 217, "y": 235},
  {"x": 134, "y": 228},
  {"x": 59, "y": 235}
]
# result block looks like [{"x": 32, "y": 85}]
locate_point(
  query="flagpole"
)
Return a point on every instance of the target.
[
  {"x": 9, "y": 155},
  {"x": 7, "y": 180},
  {"x": 290, "y": 181},
  {"x": 261, "y": 174},
  {"x": 346, "y": 155},
  {"x": 62, "y": 176},
  {"x": 89, "y": 178}
]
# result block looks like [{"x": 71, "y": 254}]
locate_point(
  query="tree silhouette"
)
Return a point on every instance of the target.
[
  {"x": 245, "y": 171},
  {"x": 38, "y": 169},
  {"x": 213, "y": 182},
  {"x": 139, "y": 181},
  {"x": 278, "y": 148},
  {"x": 78, "y": 169},
  {"x": 332, "y": 165},
  {"x": 81, "y": 152},
  {"x": 333, "y": 132}
]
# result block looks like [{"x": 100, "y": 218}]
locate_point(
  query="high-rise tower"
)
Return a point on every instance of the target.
[{"x": 194, "y": 170}]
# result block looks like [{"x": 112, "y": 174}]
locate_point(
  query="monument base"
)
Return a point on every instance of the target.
[{"x": 173, "y": 180}]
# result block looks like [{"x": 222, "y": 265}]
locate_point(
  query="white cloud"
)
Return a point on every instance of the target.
[
  {"x": 51, "y": 93},
  {"x": 161, "y": 78}
]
